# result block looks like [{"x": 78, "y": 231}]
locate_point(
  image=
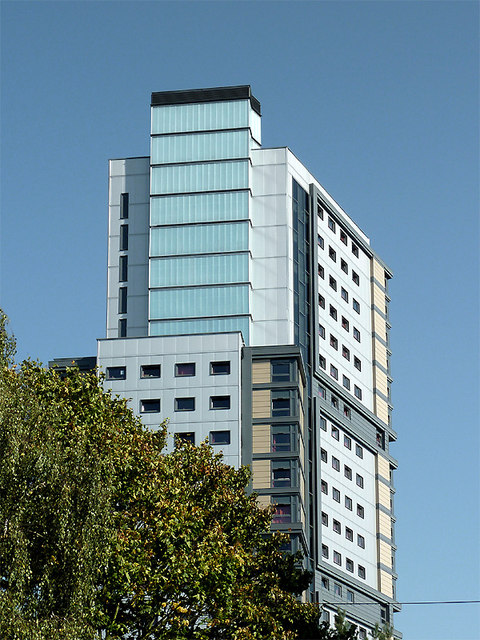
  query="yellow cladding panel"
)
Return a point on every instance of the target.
[
  {"x": 385, "y": 554},
  {"x": 383, "y": 494},
  {"x": 379, "y": 324},
  {"x": 386, "y": 583},
  {"x": 384, "y": 524},
  {"x": 261, "y": 403},
  {"x": 381, "y": 409},
  {"x": 380, "y": 381},
  {"x": 380, "y": 353},
  {"x": 261, "y": 372},
  {"x": 261, "y": 474},
  {"x": 378, "y": 271},
  {"x": 378, "y": 297},
  {"x": 383, "y": 467},
  {"x": 261, "y": 438},
  {"x": 263, "y": 501}
]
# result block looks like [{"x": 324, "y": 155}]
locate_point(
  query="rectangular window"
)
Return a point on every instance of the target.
[
  {"x": 123, "y": 206},
  {"x": 360, "y": 541},
  {"x": 184, "y": 436},
  {"x": 358, "y": 392},
  {"x": 323, "y": 423},
  {"x": 333, "y": 342},
  {"x": 337, "y": 558},
  {"x": 331, "y": 225},
  {"x": 355, "y": 277},
  {"x": 348, "y": 503},
  {"x": 325, "y": 582},
  {"x": 326, "y": 615},
  {"x": 337, "y": 589},
  {"x": 322, "y": 361},
  {"x": 347, "y": 442},
  {"x": 332, "y": 254},
  {"x": 336, "y": 494},
  {"x": 123, "y": 237},
  {"x": 281, "y": 371},
  {"x": 319, "y": 210},
  {"x": 282, "y": 438},
  {"x": 381, "y": 439},
  {"x": 335, "y": 463},
  {"x": 283, "y": 511},
  {"x": 356, "y": 334},
  {"x": 320, "y": 241},
  {"x": 355, "y": 250},
  {"x": 334, "y": 401},
  {"x": 359, "y": 451},
  {"x": 344, "y": 294},
  {"x": 350, "y": 594},
  {"x": 324, "y": 551},
  {"x": 335, "y": 433},
  {"x": 150, "y": 371},
  {"x": 348, "y": 473},
  {"x": 149, "y": 406},
  {"x": 324, "y": 455},
  {"x": 333, "y": 283},
  {"x": 122, "y": 328},
  {"x": 361, "y": 572},
  {"x": 356, "y": 306},
  {"x": 333, "y": 312},
  {"x": 344, "y": 265},
  {"x": 345, "y": 324},
  {"x": 220, "y": 402},
  {"x": 184, "y": 369},
  {"x": 116, "y": 373},
  {"x": 280, "y": 406},
  {"x": 345, "y": 352},
  {"x": 359, "y": 481},
  {"x": 343, "y": 236},
  {"x": 321, "y": 331},
  {"x": 349, "y": 565},
  {"x": 360, "y": 511},
  {"x": 321, "y": 301},
  {"x": 123, "y": 269},
  {"x": 324, "y": 487},
  {"x": 324, "y": 519},
  {"x": 357, "y": 363},
  {"x": 347, "y": 412},
  {"x": 337, "y": 527},
  {"x": 334, "y": 372},
  {"x": 220, "y": 368},
  {"x": 219, "y": 437},
  {"x": 321, "y": 271},
  {"x": 349, "y": 534},
  {"x": 184, "y": 404},
  {"x": 322, "y": 392},
  {"x": 122, "y": 300},
  {"x": 346, "y": 382},
  {"x": 362, "y": 634}
]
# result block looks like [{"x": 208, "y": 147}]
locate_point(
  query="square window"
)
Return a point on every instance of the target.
[
  {"x": 348, "y": 473},
  {"x": 321, "y": 301},
  {"x": 348, "y": 534},
  {"x": 358, "y": 392},
  {"x": 337, "y": 558},
  {"x": 349, "y": 565},
  {"x": 150, "y": 406},
  {"x": 220, "y": 402},
  {"x": 184, "y": 369},
  {"x": 335, "y": 463},
  {"x": 360, "y": 511},
  {"x": 325, "y": 583},
  {"x": 333, "y": 312},
  {"x": 184, "y": 404},
  {"x": 347, "y": 412},
  {"x": 333, "y": 342},
  {"x": 282, "y": 477},
  {"x": 324, "y": 487},
  {"x": 332, "y": 254},
  {"x": 357, "y": 363},
  {"x": 355, "y": 277},
  {"x": 322, "y": 361},
  {"x": 283, "y": 513},
  {"x": 220, "y": 368},
  {"x": 334, "y": 401},
  {"x": 344, "y": 265},
  {"x": 335, "y": 433},
  {"x": 321, "y": 271},
  {"x": 320, "y": 241},
  {"x": 345, "y": 352},
  {"x": 321, "y": 331},
  {"x": 346, "y": 382},
  {"x": 356, "y": 334},
  {"x": 323, "y": 423},
  {"x": 186, "y": 436},
  {"x": 344, "y": 293},
  {"x": 324, "y": 551},
  {"x": 336, "y": 494},
  {"x": 350, "y": 594},
  {"x": 280, "y": 406},
  {"x": 281, "y": 371},
  {"x": 337, "y": 527},
  {"x": 219, "y": 437},
  {"x": 116, "y": 373},
  {"x": 150, "y": 371},
  {"x": 361, "y": 572},
  {"x": 345, "y": 324},
  {"x": 355, "y": 250},
  {"x": 359, "y": 481},
  {"x": 334, "y": 372},
  {"x": 347, "y": 442},
  {"x": 324, "y": 455},
  {"x": 331, "y": 224},
  {"x": 333, "y": 283},
  {"x": 281, "y": 438},
  {"x": 361, "y": 541},
  {"x": 343, "y": 236},
  {"x": 359, "y": 451},
  {"x": 337, "y": 589},
  {"x": 324, "y": 519},
  {"x": 356, "y": 306},
  {"x": 348, "y": 503}
]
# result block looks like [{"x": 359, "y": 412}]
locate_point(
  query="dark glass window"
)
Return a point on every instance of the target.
[
  {"x": 122, "y": 300},
  {"x": 357, "y": 363},
  {"x": 282, "y": 475},
  {"x": 184, "y": 404},
  {"x": 149, "y": 406},
  {"x": 344, "y": 294},
  {"x": 332, "y": 254},
  {"x": 321, "y": 301},
  {"x": 281, "y": 371},
  {"x": 324, "y": 455},
  {"x": 355, "y": 250},
  {"x": 333, "y": 312},
  {"x": 359, "y": 451},
  {"x": 123, "y": 269},
  {"x": 186, "y": 436},
  {"x": 343, "y": 236},
  {"x": 356, "y": 306},
  {"x": 185, "y": 369},
  {"x": 358, "y": 392},
  {"x": 116, "y": 373},
  {"x": 349, "y": 534},
  {"x": 282, "y": 438},
  {"x": 123, "y": 237},
  {"x": 219, "y": 437},
  {"x": 345, "y": 352},
  {"x": 122, "y": 328},
  {"x": 220, "y": 368},
  {"x": 320, "y": 241},
  {"x": 321, "y": 331},
  {"x": 331, "y": 225},
  {"x": 322, "y": 361},
  {"x": 333, "y": 283},
  {"x": 283, "y": 512},
  {"x": 123, "y": 206},
  {"x": 349, "y": 565},
  {"x": 150, "y": 371},
  {"x": 219, "y": 402}
]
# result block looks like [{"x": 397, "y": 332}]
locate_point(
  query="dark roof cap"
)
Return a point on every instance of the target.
[{"x": 216, "y": 94}]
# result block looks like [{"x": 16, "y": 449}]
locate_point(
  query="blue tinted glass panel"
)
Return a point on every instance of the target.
[
  {"x": 198, "y": 301},
  {"x": 200, "y": 146},
  {"x": 201, "y": 207},
  {"x": 193, "y": 270},
  {"x": 204, "y": 116},
  {"x": 202, "y": 325},
  {"x": 212, "y": 176},
  {"x": 232, "y": 236}
]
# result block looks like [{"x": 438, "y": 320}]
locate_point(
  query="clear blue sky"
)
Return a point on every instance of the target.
[{"x": 380, "y": 101}]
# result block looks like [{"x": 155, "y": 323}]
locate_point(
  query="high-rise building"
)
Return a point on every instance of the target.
[{"x": 247, "y": 307}]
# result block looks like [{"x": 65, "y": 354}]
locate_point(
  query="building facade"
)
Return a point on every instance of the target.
[{"x": 248, "y": 308}]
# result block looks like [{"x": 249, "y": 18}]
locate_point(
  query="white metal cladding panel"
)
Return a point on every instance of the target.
[
  {"x": 204, "y": 116},
  {"x": 210, "y": 176},
  {"x": 203, "y": 269},
  {"x": 255, "y": 125},
  {"x": 201, "y": 325},
  {"x": 201, "y": 207},
  {"x": 197, "y": 147},
  {"x": 198, "y": 302},
  {"x": 212, "y": 238}
]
